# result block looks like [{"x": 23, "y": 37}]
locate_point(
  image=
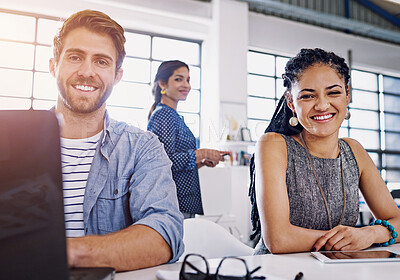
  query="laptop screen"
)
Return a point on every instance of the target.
[{"x": 32, "y": 233}]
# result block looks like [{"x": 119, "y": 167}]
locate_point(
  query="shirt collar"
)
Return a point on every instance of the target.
[
  {"x": 112, "y": 128},
  {"x": 106, "y": 127}
]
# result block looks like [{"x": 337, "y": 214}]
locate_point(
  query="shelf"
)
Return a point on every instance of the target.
[{"x": 232, "y": 143}]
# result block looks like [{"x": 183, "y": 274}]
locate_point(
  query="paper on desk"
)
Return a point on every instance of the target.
[
  {"x": 167, "y": 275},
  {"x": 174, "y": 275}
]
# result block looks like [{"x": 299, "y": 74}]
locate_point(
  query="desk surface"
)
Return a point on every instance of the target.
[{"x": 286, "y": 266}]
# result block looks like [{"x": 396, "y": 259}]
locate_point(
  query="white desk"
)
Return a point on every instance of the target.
[{"x": 286, "y": 266}]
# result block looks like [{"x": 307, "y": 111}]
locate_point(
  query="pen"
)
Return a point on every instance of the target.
[{"x": 299, "y": 276}]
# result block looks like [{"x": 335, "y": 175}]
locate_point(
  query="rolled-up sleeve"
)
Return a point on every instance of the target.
[{"x": 153, "y": 200}]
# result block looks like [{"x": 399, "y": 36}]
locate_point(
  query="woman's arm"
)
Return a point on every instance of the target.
[
  {"x": 209, "y": 157},
  {"x": 279, "y": 235},
  {"x": 380, "y": 202},
  {"x": 165, "y": 126},
  {"x": 376, "y": 193}
]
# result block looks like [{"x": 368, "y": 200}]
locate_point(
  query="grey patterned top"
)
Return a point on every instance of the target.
[{"x": 307, "y": 207}]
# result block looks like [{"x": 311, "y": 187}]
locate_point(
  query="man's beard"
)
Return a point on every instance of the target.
[{"x": 83, "y": 105}]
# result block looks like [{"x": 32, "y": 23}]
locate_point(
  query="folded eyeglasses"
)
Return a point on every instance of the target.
[{"x": 196, "y": 267}]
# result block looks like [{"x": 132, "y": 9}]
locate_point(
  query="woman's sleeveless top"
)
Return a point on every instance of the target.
[{"x": 307, "y": 208}]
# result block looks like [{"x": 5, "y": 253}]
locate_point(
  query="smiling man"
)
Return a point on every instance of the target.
[{"x": 120, "y": 201}]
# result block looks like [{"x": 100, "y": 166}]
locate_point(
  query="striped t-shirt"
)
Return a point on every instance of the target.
[{"x": 76, "y": 159}]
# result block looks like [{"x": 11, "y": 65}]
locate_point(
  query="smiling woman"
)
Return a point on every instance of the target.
[
  {"x": 305, "y": 194},
  {"x": 319, "y": 99},
  {"x": 171, "y": 86}
]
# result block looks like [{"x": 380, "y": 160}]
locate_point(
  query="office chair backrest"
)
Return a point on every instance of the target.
[{"x": 211, "y": 240}]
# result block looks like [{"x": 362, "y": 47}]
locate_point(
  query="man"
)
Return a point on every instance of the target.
[{"x": 119, "y": 197}]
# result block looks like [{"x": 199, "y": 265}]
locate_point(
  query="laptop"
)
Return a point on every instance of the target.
[{"x": 32, "y": 229}]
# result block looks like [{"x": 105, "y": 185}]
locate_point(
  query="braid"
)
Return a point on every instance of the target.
[
  {"x": 278, "y": 124},
  {"x": 255, "y": 219},
  {"x": 308, "y": 57}
]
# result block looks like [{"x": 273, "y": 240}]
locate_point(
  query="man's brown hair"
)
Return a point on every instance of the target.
[{"x": 97, "y": 22}]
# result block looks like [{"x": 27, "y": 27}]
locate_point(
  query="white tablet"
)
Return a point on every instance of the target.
[{"x": 382, "y": 255}]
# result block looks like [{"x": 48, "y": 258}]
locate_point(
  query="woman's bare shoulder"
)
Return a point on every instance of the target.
[
  {"x": 355, "y": 146},
  {"x": 271, "y": 137},
  {"x": 271, "y": 141},
  {"x": 363, "y": 159}
]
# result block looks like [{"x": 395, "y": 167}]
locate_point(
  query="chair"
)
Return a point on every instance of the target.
[
  {"x": 395, "y": 193},
  {"x": 211, "y": 240}
]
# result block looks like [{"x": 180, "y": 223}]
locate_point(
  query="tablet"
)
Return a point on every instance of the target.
[{"x": 382, "y": 255}]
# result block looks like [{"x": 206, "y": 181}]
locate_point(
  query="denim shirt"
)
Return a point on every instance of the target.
[{"x": 130, "y": 183}]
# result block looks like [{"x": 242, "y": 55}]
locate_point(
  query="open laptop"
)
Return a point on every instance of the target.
[{"x": 32, "y": 230}]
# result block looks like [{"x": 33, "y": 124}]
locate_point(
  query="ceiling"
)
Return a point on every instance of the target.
[
  {"x": 376, "y": 19},
  {"x": 391, "y": 6}
]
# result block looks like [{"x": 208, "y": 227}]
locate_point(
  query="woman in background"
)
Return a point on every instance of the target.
[
  {"x": 171, "y": 85},
  {"x": 307, "y": 179}
]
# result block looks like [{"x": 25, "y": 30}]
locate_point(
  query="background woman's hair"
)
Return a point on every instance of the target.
[
  {"x": 295, "y": 67},
  {"x": 165, "y": 70}
]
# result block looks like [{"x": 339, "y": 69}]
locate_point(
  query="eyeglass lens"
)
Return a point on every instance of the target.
[
  {"x": 232, "y": 268},
  {"x": 194, "y": 267}
]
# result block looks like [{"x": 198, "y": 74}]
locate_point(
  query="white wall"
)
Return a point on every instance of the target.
[{"x": 225, "y": 70}]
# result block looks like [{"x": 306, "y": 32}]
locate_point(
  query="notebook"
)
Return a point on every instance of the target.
[{"x": 32, "y": 230}]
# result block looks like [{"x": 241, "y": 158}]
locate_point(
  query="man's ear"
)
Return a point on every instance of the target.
[
  {"x": 52, "y": 67},
  {"x": 118, "y": 76}
]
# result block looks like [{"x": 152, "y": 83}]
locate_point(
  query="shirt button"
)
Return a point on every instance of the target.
[{"x": 115, "y": 192}]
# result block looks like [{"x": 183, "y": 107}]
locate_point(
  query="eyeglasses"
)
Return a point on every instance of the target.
[{"x": 195, "y": 267}]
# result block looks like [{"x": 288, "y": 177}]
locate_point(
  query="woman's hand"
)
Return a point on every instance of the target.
[
  {"x": 209, "y": 157},
  {"x": 345, "y": 238}
]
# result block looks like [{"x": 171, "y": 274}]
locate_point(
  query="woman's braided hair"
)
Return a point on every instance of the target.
[{"x": 295, "y": 67}]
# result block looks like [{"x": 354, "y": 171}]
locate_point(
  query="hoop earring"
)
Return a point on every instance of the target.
[
  {"x": 348, "y": 115},
  {"x": 293, "y": 121},
  {"x": 162, "y": 91}
]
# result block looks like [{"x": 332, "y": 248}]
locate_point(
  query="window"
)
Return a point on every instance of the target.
[
  {"x": 264, "y": 88},
  {"x": 375, "y": 109},
  {"x": 25, "y": 81}
]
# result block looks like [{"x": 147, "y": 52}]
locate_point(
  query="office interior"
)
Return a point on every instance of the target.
[{"x": 236, "y": 51}]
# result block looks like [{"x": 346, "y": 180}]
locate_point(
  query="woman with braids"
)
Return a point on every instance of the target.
[
  {"x": 171, "y": 85},
  {"x": 305, "y": 179}
]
